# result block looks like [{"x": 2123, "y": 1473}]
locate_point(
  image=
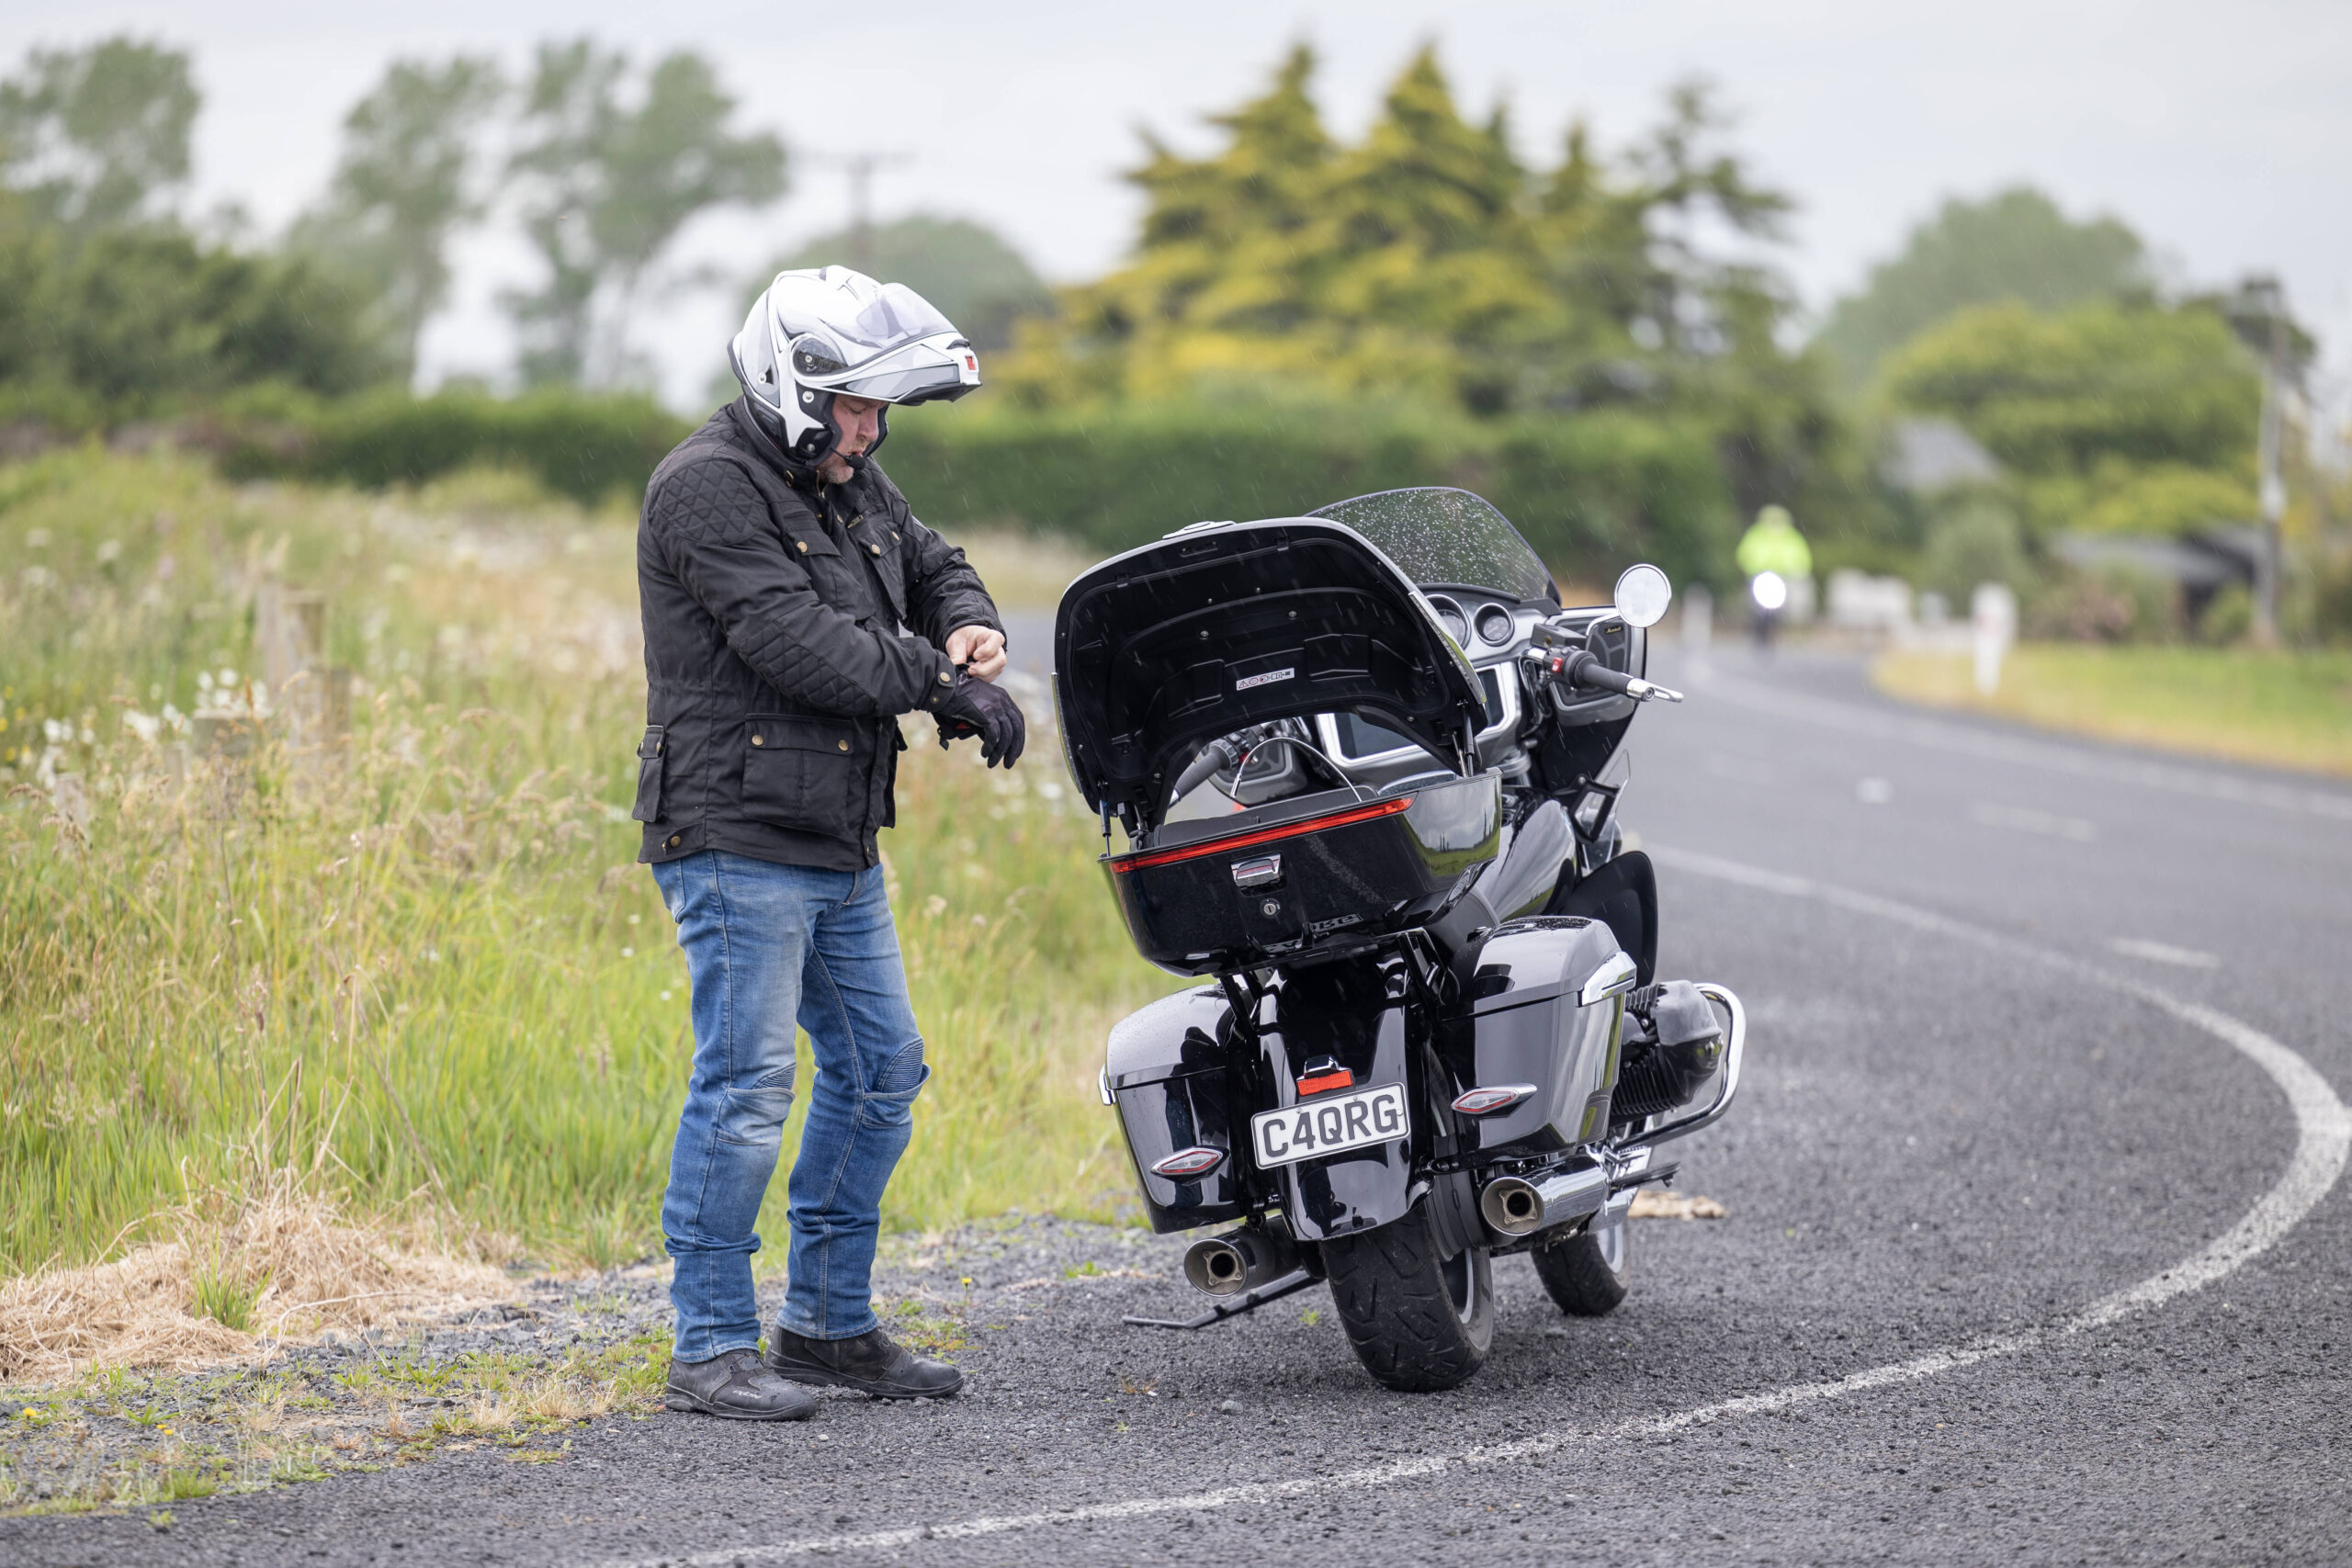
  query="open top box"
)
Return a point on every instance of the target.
[
  {"x": 1225, "y": 625},
  {"x": 1162, "y": 649}
]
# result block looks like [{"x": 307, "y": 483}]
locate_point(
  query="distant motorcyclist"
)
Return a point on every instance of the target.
[
  {"x": 794, "y": 609},
  {"x": 1774, "y": 559}
]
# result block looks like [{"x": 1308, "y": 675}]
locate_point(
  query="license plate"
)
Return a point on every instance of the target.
[{"x": 1330, "y": 1124}]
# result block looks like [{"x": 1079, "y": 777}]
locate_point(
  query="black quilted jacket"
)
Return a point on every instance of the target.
[{"x": 774, "y": 665}]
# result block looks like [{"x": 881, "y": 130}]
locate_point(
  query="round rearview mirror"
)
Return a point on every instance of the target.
[{"x": 1643, "y": 594}]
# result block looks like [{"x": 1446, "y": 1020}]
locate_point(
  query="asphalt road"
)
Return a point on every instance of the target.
[{"x": 2035, "y": 1250}]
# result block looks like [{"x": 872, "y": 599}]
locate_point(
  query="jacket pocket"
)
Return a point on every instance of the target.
[
  {"x": 802, "y": 772},
  {"x": 872, "y": 532},
  {"x": 649, "y": 764}
]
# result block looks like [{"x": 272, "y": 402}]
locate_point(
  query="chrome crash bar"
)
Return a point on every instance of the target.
[{"x": 1684, "y": 1126}]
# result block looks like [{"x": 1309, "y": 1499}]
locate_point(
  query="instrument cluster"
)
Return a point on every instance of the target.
[{"x": 1482, "y": 629}]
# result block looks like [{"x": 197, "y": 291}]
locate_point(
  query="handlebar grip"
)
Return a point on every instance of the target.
[
  {"x": 1214, "y": 757},
  {"x": 1583, "y": 669}
]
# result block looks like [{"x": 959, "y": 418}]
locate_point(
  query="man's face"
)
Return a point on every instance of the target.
[{"x": 858, "y": 420}]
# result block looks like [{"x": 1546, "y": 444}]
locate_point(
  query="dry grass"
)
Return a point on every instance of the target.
[
  {"x": 1657, "y": 1203},
  {"x": 243, "y": 1269}
]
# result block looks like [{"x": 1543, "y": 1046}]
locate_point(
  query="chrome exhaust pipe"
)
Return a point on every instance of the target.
[
  {"x": 1513, "y": 1206},
  {"x": 1238, "y": 1260}
]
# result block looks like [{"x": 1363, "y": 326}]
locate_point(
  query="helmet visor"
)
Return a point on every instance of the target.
[
  {"x": 917, "y": 374},
  {"x": 896, "y": 315}
]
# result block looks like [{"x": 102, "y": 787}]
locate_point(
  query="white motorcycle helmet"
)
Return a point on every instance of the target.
[{"x": 823, "y": 330}]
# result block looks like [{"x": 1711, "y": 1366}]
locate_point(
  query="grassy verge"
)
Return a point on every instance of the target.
[
  {"x": 414, "y": 956},
  {"x": 2287, "y": 710}
]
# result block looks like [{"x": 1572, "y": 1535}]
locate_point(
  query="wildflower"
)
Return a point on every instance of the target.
[
  {"x": 109, "y": 551},
  {"x": 146, "y": 726}
]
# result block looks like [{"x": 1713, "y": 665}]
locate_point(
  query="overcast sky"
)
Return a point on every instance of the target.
[{"x": 2219, "y": 131}]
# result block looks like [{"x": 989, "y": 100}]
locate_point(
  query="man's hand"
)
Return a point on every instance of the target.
[
  {"x": 980, "y": 649},
  {"x": 975, "y": 707}
]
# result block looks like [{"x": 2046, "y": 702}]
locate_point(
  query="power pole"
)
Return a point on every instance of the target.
[
  {"x": 2271, "y": 570},
  {"x": 861, "y": 167}
]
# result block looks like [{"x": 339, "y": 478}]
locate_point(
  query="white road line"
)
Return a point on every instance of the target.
[
  {"x": 2025, "y": 819},
  {"x": 2323, "y": 1137},
  {"x": 1857, "y": 719},
  {"x": 2161, "y": 953}
]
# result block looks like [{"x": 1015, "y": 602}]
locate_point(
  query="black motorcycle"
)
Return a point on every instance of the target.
[{"x": 1368, "y": 770}]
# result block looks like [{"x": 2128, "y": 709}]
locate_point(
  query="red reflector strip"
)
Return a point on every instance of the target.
[
  {"x": 1483, "y": 1101},
  {"x": 1321, "y": 1081},
  {"x": 1145, "y": 858},
  {"x": 1188, "y": 1162}
]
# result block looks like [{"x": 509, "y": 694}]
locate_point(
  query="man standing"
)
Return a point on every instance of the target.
[{"x": 793, "y": 608}]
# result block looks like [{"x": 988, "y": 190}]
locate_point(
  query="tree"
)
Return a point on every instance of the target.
[
  {"x": 977, "y": 280},
  {"x": 2136, "y": 418},
  {"x": 2015, "y": 245},
  {"x": 1426, "y": 263},
  {"x": 1404, "y": 263},
  {"x": 608, "y": 186},
  {"x": 137, "y": 320},
  {"x": 1428, "y": 259},
  {"x": 96, "y": 136},
  {"x": 405, "y": 183}
]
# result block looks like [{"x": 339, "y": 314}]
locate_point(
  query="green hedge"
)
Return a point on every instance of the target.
[
  {"x": 1592, "y": 492},
  {"x": 587, "y": 446}
]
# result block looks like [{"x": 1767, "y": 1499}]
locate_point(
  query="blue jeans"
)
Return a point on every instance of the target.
[{"x": 767, "y": 945}]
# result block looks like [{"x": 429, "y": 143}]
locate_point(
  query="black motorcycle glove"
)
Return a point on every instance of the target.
[{"x": 976, "y": 707}]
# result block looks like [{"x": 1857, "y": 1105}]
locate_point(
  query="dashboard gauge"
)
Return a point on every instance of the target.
[
  {"x": 1449, "y": 617},
  {"x": 1495, "y": 625}
]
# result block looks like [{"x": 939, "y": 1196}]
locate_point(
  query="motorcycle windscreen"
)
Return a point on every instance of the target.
[{"x": 1164, "y": 648}]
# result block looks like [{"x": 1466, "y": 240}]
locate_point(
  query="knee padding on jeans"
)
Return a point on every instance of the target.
[
  {"x": 755, "y": 1114},
  {"x": 902, "y": 1072},
  {"x": 890, "y": 1100}
]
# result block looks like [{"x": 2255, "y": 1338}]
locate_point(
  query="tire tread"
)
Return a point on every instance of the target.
[{"x": 1388, "y": 1286}]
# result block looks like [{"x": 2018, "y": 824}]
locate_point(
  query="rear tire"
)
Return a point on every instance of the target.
[
  {"x": 1419, "y": 1324},
  {"x": 1587, "y": 1275}
]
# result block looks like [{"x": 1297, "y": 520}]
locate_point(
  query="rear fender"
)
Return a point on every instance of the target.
[{"x": 1361, "y": 1013}]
